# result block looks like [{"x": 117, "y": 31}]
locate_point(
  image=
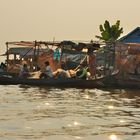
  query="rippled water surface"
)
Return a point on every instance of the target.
[{"x": 39, "y": 113}]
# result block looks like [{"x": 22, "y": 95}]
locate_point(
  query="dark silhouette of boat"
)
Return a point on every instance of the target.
[{"x": 108, "y": 81}]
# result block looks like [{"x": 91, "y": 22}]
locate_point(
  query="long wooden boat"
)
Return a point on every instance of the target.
[{"x": 103, "y": 82}]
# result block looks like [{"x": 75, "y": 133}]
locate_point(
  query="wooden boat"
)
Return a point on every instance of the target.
[
  {"x": 67, "y": 49},
  {"x": 108, "y": 81}
]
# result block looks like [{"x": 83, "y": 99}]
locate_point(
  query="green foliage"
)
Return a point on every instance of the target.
[{"x": 110, "y": 33}]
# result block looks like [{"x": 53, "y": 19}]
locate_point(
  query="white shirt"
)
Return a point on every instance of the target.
[{"x": 48, "y": 71}]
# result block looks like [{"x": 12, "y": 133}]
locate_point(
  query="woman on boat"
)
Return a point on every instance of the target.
[{"x": 91, "y": 60}]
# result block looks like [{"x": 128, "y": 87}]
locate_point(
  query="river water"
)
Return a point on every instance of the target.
[{"x": 39, "y": 113}]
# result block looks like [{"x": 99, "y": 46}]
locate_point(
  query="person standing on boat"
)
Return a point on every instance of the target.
[
  {"x": 91, "y": 60},
  {"x": 48, "y": 73},
  {"x": 56, "y": 54}
]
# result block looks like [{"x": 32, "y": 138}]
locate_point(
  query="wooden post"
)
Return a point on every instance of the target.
[
  {"x": 14, "y": 58},
  {"x": 60, "y": 62},
  {"x": 7, "y": 54},
  {"x": 38, "y": 47},
  {"x": 35, "y": 57}
]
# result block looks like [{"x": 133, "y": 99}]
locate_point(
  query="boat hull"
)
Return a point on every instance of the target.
[
  {"x": 68, "y": 82},
  {"x": 104, "y": 82}
]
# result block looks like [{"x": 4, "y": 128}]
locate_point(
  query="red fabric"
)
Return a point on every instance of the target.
[{"x": 91, "y": 63}]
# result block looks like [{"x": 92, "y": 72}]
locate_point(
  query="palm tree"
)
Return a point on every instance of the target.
[{"x": 110, "y": 34}]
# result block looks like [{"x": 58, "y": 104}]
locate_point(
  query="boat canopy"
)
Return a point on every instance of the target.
[
  {"x": 67, "y": 44},
  {"x": 32, "y": 43},
  {"x": 28, "y": 51},
  {"x": 35, "y": 53}
]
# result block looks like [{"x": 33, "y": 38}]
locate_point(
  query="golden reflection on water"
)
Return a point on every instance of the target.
[
  {"x": 76, "y": 123},
  {"x": 47, "y": 104},
  {"x": 86, "y": 97},
  {"x": 110, "y": 107},
  {"x": 67, "y": 114},
  {"x": 78, "y": 137},
  {"x": 122, "y": 121},
  {"x": 113, "y": 137}
]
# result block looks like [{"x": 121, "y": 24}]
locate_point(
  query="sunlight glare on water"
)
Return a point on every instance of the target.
[{"x": 67, "y": 114}]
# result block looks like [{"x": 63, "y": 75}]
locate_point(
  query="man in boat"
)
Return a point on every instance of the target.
[
  {"x": 2, "y": 67},
  {"x": 137, "y": 68},
  {"x": 48, "y": 73},
  {"x": 24, "y": 72}
]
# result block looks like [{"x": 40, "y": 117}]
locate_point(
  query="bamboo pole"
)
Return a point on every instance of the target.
[{"x": 7, "y": 54}]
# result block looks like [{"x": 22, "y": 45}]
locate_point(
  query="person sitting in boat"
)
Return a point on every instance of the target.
[
  {"x": 137, "y": 68},
  {"x": 61, "y": 73},
  {"x": 24, "y": 72},
  {"x": 2, "y": 67},
  {"x": 48, "y": 73},
  {"x": 81, "y": 73}
]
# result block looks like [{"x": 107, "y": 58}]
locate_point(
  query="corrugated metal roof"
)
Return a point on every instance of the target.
[
  {"x": 19, "y": 50},
  {"x": 28, "y": 51},
  {"x": 133, "y": 36}
]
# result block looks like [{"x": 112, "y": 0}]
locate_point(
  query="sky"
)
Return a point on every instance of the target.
[{"x": 45, "y": 20}]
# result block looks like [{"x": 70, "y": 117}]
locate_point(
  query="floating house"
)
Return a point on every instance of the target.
[{"x": 128, "y": 53}]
